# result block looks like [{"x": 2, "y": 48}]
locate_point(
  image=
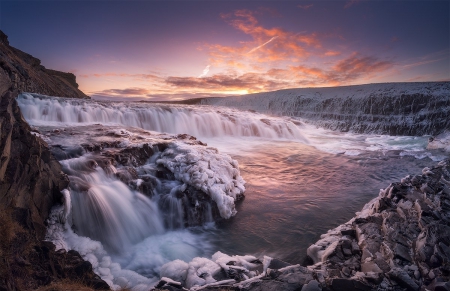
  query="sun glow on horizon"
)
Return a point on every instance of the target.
[{"x": 203, "y": 49}]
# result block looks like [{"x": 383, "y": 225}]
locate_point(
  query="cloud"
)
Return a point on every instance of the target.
[
  {"x": 288, "y": 46},
  {"x": 113, "y": 74},
  {"x": 121, "y": 93},
  {"x": 332, "y": 53},
  {"x": 260, "y": 46},
  {"x": 205, "y": 71},
  {"x": 250, "y": 82},
  {"x": 355, "y": 67},
  {"x": 305, "y": 7}
]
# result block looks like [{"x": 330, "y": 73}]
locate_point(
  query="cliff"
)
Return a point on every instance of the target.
[
  {"x": 31, "y": 181},
  {"x": 23, "y": 72}
]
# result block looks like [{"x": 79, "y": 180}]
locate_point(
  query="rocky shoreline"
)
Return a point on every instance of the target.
[{"x": 399, "y": 241}]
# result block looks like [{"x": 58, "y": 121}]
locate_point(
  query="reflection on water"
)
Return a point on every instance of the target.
[{"x": 295, "y": 193}]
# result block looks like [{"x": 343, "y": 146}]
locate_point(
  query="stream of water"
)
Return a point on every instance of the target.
[{"x": 300, "y": 181}]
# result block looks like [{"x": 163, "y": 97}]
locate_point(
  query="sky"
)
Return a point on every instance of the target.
[{"x": 171, "y": 50}]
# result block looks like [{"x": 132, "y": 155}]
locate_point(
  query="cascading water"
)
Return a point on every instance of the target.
[
  {"x": 198, "y": 121},
  {"x": 107, "y": 210},
  {"x": 135, "y": 191}
]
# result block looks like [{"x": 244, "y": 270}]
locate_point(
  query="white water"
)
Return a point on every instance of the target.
[
  {"x": 197, "y": 121},
  {"x": 105, "y": 209},
  {"x": 137, "y": 239}
]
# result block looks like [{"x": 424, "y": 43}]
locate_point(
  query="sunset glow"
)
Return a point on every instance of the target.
[{"x": 170, "y": 50}]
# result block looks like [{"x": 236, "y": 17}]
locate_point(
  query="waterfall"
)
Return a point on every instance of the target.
[
  {"x": 199, "y": 121},
  {"x": 105, "y": 209},
  {"x": 412, "y": 109}
]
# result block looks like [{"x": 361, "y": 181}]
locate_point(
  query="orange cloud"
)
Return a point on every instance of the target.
[
  {"x": 126, "y": 92},
  {"x": 267, "y": 45},
  {"x": 356, "y": 65},
  {"x": 250, "y": 82},
  {"x": 332, "y": 53}
]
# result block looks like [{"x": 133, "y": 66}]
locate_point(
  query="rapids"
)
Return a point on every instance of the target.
[{"x": 140, "y": 198}]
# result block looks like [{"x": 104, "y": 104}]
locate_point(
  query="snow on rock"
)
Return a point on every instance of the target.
[
  {"x": 207, "y": 170},
  {"x": 401, "y": 237},
  {"x": 220, "y": 269}
]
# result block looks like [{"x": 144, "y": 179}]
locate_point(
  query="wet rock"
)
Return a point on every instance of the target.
[
  {"x": 278, "y": 264},
  {"x": 403, "y": 279},
  {"x": 312, "y": 286},
  {"x": 349, "y": 232},
  {"x": 402, "y": 236},
  {"x": 402, "y": 252}
]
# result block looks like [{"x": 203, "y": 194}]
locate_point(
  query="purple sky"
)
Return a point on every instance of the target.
[{"x": 160, "y": 50}]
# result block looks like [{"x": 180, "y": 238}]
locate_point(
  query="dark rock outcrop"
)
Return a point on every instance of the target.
[
  {"x": 399, "y": 241},
  {"x": 31, "y": 181},
  {"x": 25, "y": 73}
]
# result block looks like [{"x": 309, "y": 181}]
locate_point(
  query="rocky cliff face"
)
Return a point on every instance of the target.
[
  {"x": 26, "y": 74},
  {"x": 31, "y": 181}
]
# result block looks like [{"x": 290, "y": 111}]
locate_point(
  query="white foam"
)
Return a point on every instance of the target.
[{"x": 199, "y": 121}]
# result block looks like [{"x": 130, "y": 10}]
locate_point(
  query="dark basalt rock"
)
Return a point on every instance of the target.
[
  {"x": 31, "y": 181},
  {"x": 25, "y": 73},
  {"x": 404, "y": 237}
]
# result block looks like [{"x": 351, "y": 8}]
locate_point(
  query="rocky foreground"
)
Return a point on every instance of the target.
[
  {"x": 399, "y": 241},
  {"x": 31, "y": 181}
]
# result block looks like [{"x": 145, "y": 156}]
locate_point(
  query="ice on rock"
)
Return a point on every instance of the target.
[
  {"x": 201, "y": 272},
  {"x": 242, "y": 263},
  {"x": 176, "y": 270},
  {"x": 207, "y": 170}
]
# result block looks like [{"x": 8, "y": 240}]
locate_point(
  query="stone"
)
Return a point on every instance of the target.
[
  {"x": 355, "y": 248},
  {"x": 312, "y": 286},
  {"x": 349, "y": 285},
  {"x": 402, "y": 252},
  {"x": 403, "y": 279},
  {"x": 349, "y": 232},
  {"x": 277, "y": 264}
]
